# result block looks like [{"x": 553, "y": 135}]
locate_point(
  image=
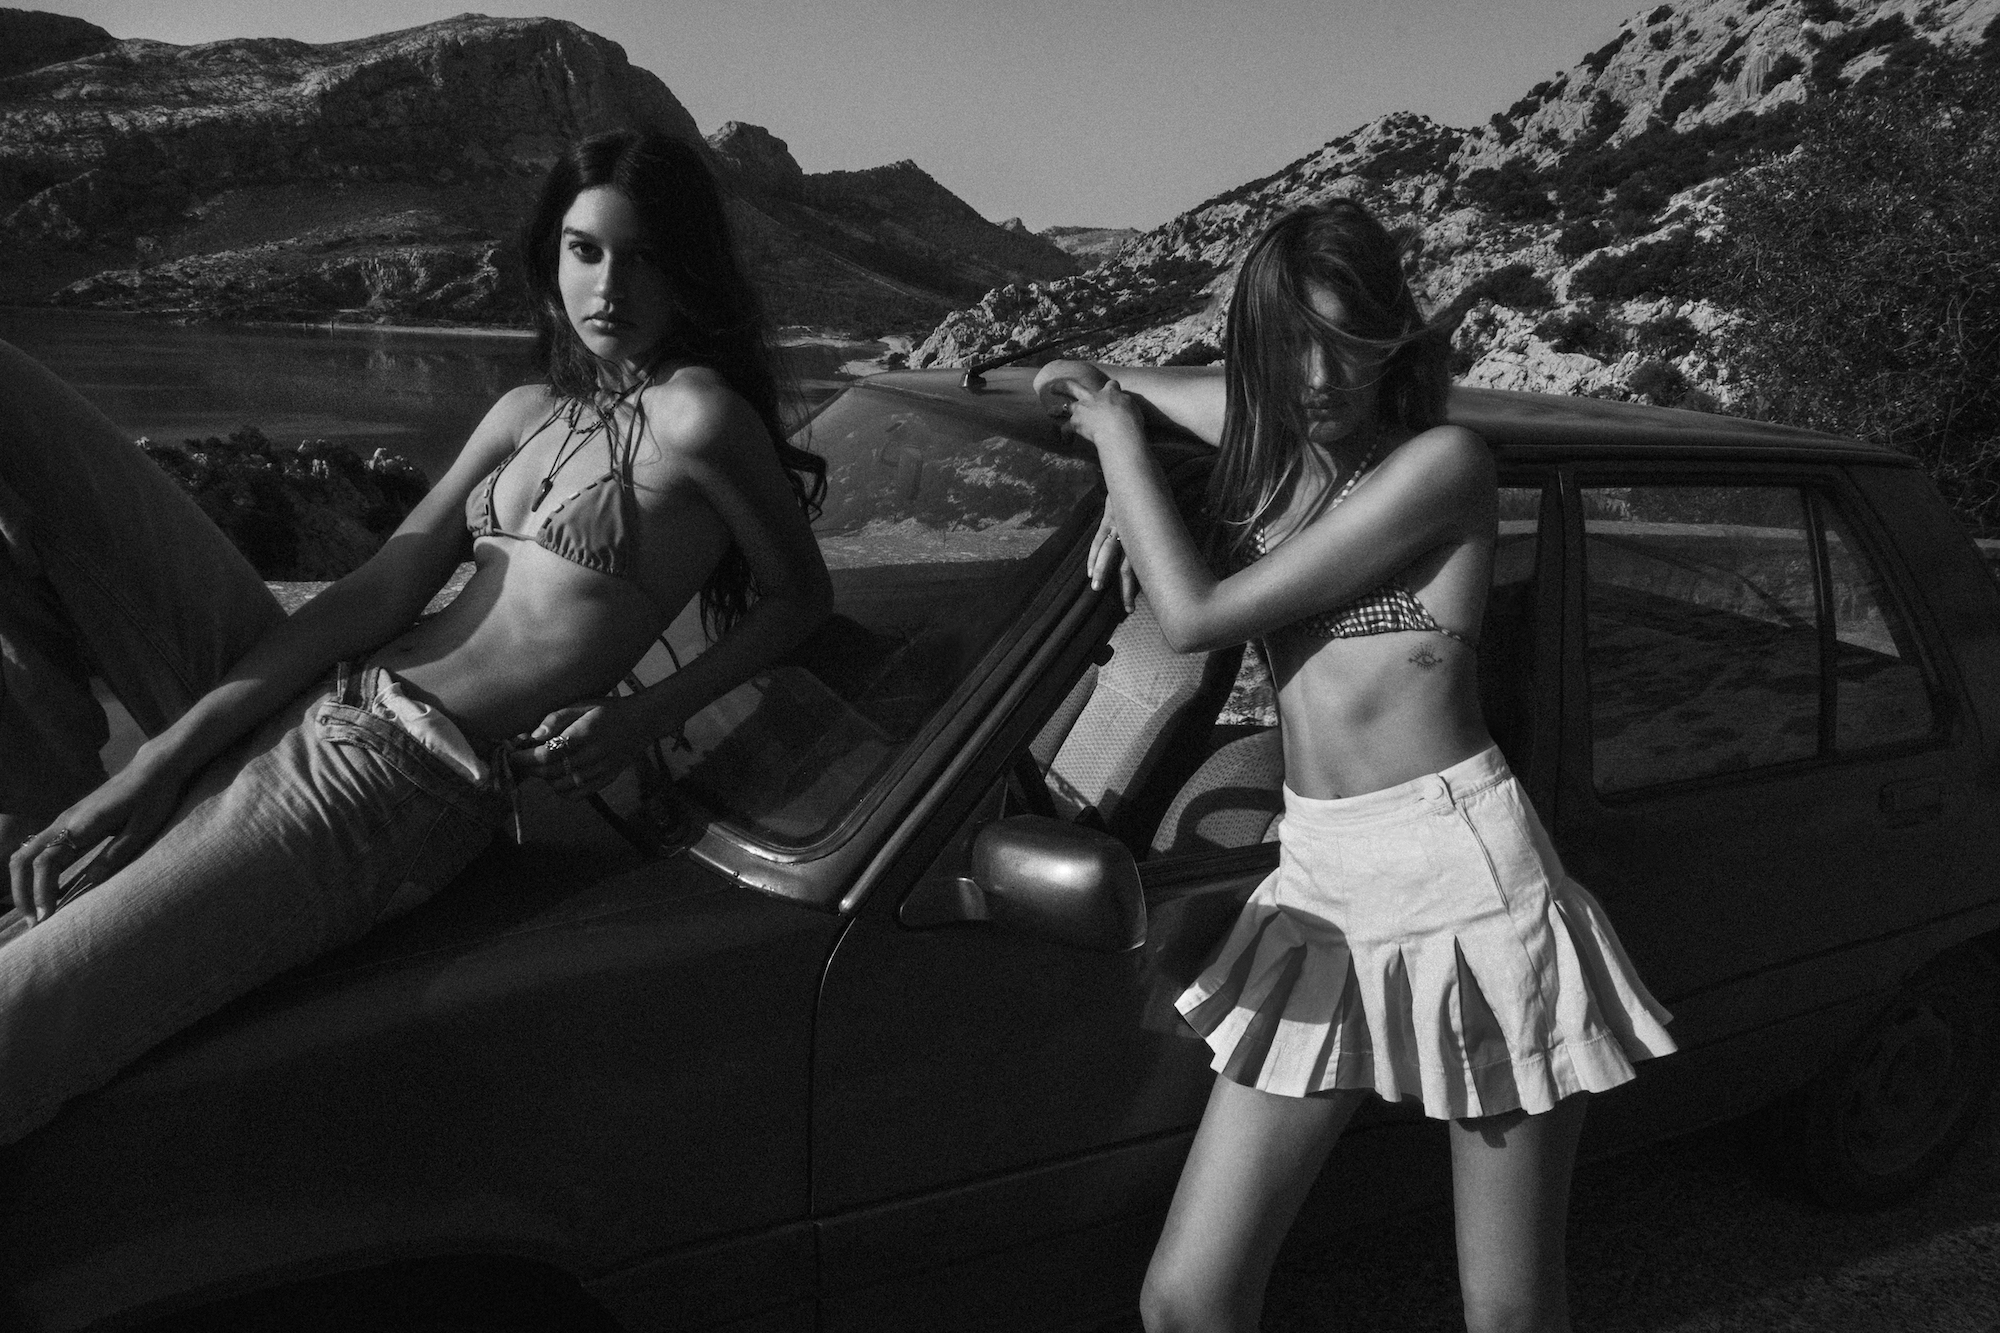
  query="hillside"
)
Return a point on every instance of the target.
[
  {"x": 382, "y": 178},
  {"x": 1573, "y": 211}
]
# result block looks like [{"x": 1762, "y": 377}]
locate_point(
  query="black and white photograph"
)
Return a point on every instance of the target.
[{"x": 1111, "y": 666}]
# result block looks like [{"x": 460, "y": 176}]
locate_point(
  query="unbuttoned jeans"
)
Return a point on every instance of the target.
[{"x": 324, "y": 821}]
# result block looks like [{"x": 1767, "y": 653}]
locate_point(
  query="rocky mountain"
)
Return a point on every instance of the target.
[
  {"x": 1563, "y": 220},
  {"x": 888, "y": 245},
  {"x": 382, "y": 178},
  {"x": 1091, "y": 245}
]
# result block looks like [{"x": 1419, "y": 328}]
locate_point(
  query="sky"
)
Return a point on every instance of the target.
[{"x": 1109, "y": 113}]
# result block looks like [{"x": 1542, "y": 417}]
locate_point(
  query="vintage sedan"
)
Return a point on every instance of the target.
[{"x": 864, "y": 1021}]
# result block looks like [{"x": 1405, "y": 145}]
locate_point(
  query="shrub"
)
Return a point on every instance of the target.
[
  {"x": 1660, "y": 15},
  {"x": 1504, "y": 128},
  {"x": 1514, "y": 191},
  {"x": 1834, "y": 53},
  {"x": 1863, "y": 269},
  {"x": 1823, "y": 11},
  {"x": 1582, "y": 328},
  {"x": 1598, "y": 59},
  {"x": 1516, "y": 285},
  {"x": 314, "y": 512},
  {"x": 1691, "y": 90},
  {"x": 1659, "y": 39},
  {"x": 1668, "y": 336},
  {"x": 1658, "y": 382},
  {"x": 1607, "y": 113},
  {"x": 1654, "y": 268},
  {"x": 1784, "y": 67},
  {"x": 1579, "y": 238}
]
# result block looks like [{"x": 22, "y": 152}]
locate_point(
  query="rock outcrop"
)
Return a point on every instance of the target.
[
  {"x": 276, "y": 179},
  {"x": 382, "y": 179},
  {"x": 35, "y": 39},
  {"x": 1090, "y": 245},
  {"x": 1568, "y": 215}
]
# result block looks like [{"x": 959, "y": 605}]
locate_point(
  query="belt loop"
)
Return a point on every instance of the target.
[{"x": 342, "y": 674}]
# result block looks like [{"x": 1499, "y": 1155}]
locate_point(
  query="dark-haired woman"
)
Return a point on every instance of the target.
[
  {"x": 1419, "y": 938},
  {"x": 309, "y": 777}
]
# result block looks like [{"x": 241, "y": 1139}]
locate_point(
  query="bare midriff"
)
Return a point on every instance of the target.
[
  {"x": 529, "y": 633},
  {"x": 1367, "y": 713}
]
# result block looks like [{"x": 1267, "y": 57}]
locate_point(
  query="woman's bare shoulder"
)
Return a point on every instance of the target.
[
  {"x": 1448, "y": 456},
  {"x": 696, "y": 411}
]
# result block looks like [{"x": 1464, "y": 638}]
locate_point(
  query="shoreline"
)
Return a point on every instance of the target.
[{"x": 786, "y": 335}]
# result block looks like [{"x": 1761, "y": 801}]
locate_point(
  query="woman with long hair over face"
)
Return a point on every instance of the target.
[
  {"x": 1419, "y": 937},
  {"x": 308, "y": 777}
]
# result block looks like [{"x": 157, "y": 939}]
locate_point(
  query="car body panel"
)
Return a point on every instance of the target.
[{"x": 461, "y": 1099}]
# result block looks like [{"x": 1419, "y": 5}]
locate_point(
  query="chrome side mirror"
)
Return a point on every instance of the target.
[{"x": 1046, "y": 879}]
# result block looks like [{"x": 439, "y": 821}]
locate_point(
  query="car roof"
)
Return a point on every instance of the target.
[{"x": 1522, "y": 427}]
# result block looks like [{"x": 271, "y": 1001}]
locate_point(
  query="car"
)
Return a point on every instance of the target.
[{"x": 864, "y": 1021}]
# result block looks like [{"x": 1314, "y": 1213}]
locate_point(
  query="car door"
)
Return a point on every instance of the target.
[
  {"x": 999, "y": 1120},
  {"x": 1763, "y": 769}
]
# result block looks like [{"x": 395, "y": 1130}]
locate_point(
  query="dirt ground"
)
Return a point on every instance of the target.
[{"x": 1694, "y": 1236}]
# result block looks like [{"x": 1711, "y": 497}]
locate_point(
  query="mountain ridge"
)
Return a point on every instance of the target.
[
  {"x": 1563, "y": 218},
  {"x": 382, "y": 177}
]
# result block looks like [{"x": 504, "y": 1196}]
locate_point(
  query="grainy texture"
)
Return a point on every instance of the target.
[{"x": 1693, "y": 1236}]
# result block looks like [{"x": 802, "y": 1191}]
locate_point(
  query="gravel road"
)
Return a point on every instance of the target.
[{"x": 1693, "y": 1236}]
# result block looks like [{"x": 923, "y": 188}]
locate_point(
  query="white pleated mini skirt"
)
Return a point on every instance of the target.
[{"x": 1424, "y": 941}]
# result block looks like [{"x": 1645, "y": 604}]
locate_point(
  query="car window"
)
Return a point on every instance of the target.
[
  {"x": 1880, "y": 694},
  {"x": 1702, "y": 628},
  {"x": 1708, "y": 635},
  {"x": 937, "y": 529}
]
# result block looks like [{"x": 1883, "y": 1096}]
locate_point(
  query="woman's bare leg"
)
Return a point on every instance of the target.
[
  {"x": 1510, "y": 1179},
  {"x": 1254, "y": 1158}
]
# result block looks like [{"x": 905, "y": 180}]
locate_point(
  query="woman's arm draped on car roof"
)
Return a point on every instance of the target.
[{"x": 1190, "y": 397}]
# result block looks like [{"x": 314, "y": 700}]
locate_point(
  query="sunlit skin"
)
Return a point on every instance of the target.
[
  {"x": 533, "y": 642},
  {"x": 1359, "y": 714}
]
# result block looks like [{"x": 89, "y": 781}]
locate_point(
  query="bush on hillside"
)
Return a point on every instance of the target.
[
  {"x": 1583, "y": 328},
  {"x": 315, "y": 512},
  {"x": 1654, "y": 268},
  {"x": 1517, "y": 286},
  {"x": 1862, "y": 267}
]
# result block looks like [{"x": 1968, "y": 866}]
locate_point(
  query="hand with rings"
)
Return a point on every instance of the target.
[
  {"x": 92, "y": 838},
  {"x": 581, "y": 748}
]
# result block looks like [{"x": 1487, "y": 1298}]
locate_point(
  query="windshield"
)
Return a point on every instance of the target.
[{"x": 938, "y": 527}]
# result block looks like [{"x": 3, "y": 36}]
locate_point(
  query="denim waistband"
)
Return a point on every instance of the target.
[
  {"x": 358, "y": 688},
  {"x": 1436, "y": 792}
]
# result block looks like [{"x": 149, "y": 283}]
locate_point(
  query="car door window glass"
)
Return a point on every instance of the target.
[
  {"x": 1702, "y": 631},
  {"x": 937, "y": 531},
  {"x": 1881, "y": 696}
]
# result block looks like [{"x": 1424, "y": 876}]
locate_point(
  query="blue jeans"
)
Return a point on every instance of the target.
[{"x": 327, "y": 819}]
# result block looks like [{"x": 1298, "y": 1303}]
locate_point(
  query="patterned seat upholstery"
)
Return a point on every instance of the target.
[{"x": 1135, "y": 725}]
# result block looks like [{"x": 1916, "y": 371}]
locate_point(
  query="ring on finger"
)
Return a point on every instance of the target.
[
  {"x": 62, "y": 838},
  {"x": 555, "y": 743}
]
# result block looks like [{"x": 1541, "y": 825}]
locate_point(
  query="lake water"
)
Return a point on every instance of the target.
[{"x": 417, "y": 393}]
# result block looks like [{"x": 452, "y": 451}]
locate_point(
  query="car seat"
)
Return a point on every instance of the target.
[
  {"x": 1131, "y": 731},
  {"x": 1233, "y": 800}
]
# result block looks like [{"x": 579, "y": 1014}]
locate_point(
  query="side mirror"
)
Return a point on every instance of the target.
[{"x": 1043, "y": 878}]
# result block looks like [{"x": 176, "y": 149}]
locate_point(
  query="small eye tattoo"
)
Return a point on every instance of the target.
[{"x": 1424, "y": 657}]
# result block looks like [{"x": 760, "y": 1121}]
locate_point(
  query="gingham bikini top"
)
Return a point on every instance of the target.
[
  {"x": 596, "y": 526},
  {"x": 1388, "y": 608}
]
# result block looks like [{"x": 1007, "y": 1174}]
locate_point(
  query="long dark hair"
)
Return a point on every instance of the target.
[
  {"x": 714, "y": 315},
  {"x": 1338, "y": 246}
]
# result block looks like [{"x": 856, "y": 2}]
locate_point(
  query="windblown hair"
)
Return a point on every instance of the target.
[
  {"x": 714, "y": 316},
  {"x": 1338, "y": 246}
]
